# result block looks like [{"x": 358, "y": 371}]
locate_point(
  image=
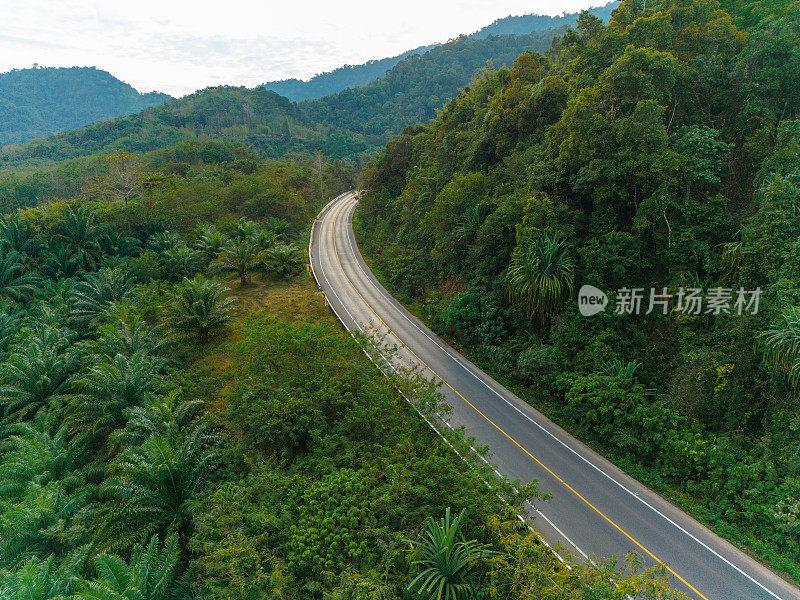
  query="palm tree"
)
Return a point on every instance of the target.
[
  {"x": 34, "y": 456},
  {"x": 781, "y": 345},
  {"x": 199, "y": 306},
  {"x": 447, "y": 561},
  {"x": 241, "y": 256},
  {"x": 164, "y": 240},
  {"x": 128, "y": 334},
  {"x": 81, "y": 234},
  {"x": 110, "y": 388},
  {"x": 43, "y": 522},
  {"x": 37, "y": 373},
  {"x": 180, "y": 262},
  {"x": 166, "y": 417},
  {"x": 94, "y": 297},
  {"x": 15, "y": 284},
  {"x": 281, "y": 229},
  {"x": 9, "y": 326},
  {"x": 17, "y": 235},
  {"x": 540, "y": 275},
  {"x": 60, "y": 263},
  {"x": 151, "y": 574},
  {"x": 154, "y": 486},
  {"x": 210, "y": 242},
  {"x": 284, "y": 260},
  {"x": 42, "y": 579}
]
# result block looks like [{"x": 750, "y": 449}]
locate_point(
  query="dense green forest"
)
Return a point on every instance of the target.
[
  {"x": 182, "y": 418},
  {"x": 39, "y": 102},
  {"x": 350, "y": 76},
  {"x": 260, "y": 118},
  {"x": 660, "y": 151},
  {"x": 417, "y": 87}
]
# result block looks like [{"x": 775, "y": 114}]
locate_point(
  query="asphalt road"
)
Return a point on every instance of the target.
[{"x": 596, "y": 509}]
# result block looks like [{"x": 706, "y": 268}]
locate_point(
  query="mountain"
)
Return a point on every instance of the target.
[
  {"x": 349, "y": 123},
  {"x": 339, "y": 79},
  {"x": 350, "y": 76},
  {"x": 257, "y": 117},
  {"x": 521, "y": 25},
  {"x": 418, "y": 86},
  {"x": 42, "y": 101}
]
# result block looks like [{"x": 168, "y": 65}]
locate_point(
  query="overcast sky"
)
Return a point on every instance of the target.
[{"x": 178, "y": 46}]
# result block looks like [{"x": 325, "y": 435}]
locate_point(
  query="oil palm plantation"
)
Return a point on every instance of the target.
[
  {"x": 199, "y": 306},
  {"x": 94, "y": 297},
  {"x": 16, "y": 235},
  {"x": 38, "y": 373},
  {"x": 109, "y": 389},
  {"x": 81, "y": 233},
  {"x": 31, "y": 455},
  {"x": 540, "y": 276},
  {"x": 210, "y": 242}
]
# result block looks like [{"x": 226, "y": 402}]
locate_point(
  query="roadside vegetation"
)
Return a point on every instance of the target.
[
  {"x": 658, "y": 151},
  {"x": 182, "y": 418}
]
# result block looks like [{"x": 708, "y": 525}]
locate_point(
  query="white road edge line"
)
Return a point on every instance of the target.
[
  {"x": 572, "y": 450},
  {"x": 432, "y": 426}
]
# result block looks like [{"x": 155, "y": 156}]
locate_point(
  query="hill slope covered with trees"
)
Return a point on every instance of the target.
[
  {"x": 38, "y": 102},
  {"x": 660, "y": 152},
  {"x": 350, "y": 76}
]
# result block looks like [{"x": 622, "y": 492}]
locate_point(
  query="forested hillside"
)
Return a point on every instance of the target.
[
  {"x": 348, "y": 124},
  {"x": 335, "y": 81},
  {"x": 350, "y": 76},
  {"x": 39, "y": 102},
  {"x": 182, "y": 418},
  {"x": 660, "y": 152},
  {"x": 258, "y": 117},
  {"x": 525, "y": 24},
  {"x": 417, "y": 87}
]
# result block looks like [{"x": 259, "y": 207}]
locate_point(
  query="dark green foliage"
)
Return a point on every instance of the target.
[
  {"x": 661, "y": 149},
  {"x": 41, "y": 101},
  {"x": 199, "y": 306}
]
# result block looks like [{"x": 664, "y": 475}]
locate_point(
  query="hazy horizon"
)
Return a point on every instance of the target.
[{"x": 183, "y": 46}]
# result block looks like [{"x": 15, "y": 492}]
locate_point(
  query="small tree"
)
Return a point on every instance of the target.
[
  {"x": 540, "y": 275},
  {"x": 240, "y": 256},
  {"x": 447, "y": 561},
  {"x": 199, "y": 306},
  {"x": 284, "y": 260}
]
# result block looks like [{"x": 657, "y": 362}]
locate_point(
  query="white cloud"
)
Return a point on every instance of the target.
[{"x": 178, "y": 46}]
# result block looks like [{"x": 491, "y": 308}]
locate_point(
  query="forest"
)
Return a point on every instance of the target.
[
  {"x": 41, "y": 101},
  {"x": 351, "y": 124},
  {"x": 182, "y": 418},
  {"x": 659, "y": 151}
]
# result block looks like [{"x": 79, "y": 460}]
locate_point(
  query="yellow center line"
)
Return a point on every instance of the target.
[{"x": 500, "y": 429}]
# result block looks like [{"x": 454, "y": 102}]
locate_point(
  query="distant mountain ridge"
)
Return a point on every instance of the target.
[
  {"x": 351, "y": 76},
  {"x": 348, "y": 76},
  {"x": 525, "y": 24},
  {"x": 39, "y": 102}
]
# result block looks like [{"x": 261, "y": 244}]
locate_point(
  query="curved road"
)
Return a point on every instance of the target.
[{"x": 596, "y": 509}]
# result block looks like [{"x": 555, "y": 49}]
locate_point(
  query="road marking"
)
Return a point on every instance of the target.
[
  {"x": 500, "y": 429},
  {"x": 545, "y": 430}
]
